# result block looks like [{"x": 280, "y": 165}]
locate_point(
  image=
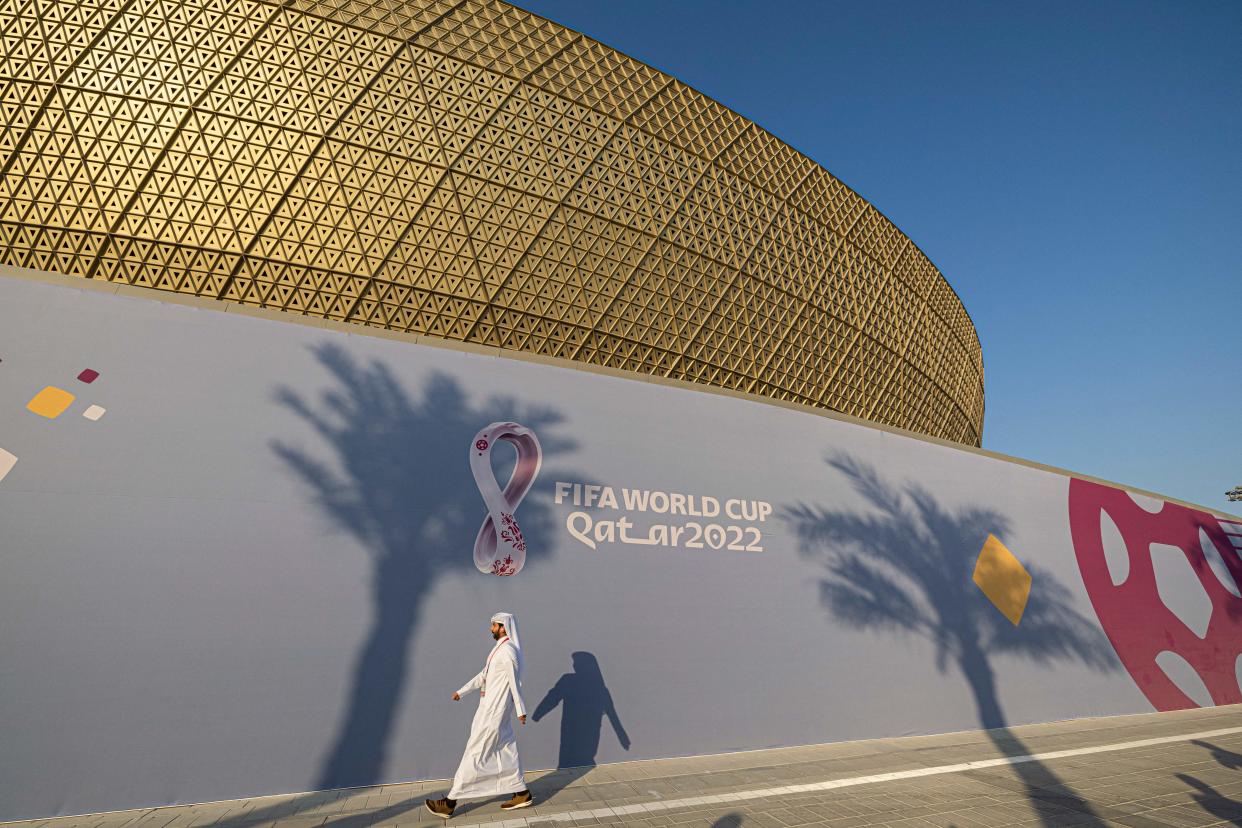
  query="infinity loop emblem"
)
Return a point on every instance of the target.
[{"x": 503, "y": 552}]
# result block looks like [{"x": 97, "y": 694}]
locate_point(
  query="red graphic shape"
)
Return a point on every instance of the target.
[
  {"x": 505, "y": 567},
  {"x": 89, "y": 375},
  {"x": 512, "y": 533},
  {"x": 1134, "y": 618}
]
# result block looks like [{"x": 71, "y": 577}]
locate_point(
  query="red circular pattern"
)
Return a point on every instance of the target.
[
  {"x": 480, "y": 444},
  {"x": 1132, "y": 614}
]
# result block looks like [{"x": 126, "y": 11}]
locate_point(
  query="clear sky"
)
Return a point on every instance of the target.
[{"x": 1073, "y": 168}]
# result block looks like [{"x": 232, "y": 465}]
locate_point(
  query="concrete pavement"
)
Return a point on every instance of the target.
[{"x": 1145, "y": 771}]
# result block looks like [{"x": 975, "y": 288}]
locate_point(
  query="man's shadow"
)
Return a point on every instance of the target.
[
  {"x": 904, "y": 566},
  {"x": 585, "y": 702}
]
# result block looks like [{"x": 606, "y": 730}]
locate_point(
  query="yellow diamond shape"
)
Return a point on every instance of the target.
[
  {"x": 1003, "y": 579},
  {"x": 51, "y": 402}
]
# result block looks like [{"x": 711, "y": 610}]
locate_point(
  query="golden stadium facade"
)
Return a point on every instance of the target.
[{"x": 467, "y": 171}]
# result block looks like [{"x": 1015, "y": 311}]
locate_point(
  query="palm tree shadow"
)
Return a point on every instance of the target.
[
  {"x": 394, "y": 476},
  {"x": 585, "y": 702},
  {"x": 906, "y": 567}
]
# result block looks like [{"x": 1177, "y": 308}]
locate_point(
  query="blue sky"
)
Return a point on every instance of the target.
[{"x": 1074, "y": 169}]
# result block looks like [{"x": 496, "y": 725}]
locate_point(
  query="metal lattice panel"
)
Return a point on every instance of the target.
[{"x": 469, "y": 171}]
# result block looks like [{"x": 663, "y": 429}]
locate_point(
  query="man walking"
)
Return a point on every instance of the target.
[{"x": 490, "y": 766}]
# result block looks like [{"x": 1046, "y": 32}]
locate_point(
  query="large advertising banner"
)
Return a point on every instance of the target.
[{"x": 242, "y": 556}]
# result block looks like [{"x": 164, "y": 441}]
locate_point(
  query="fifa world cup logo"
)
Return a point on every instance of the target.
[{"x": 500, "y": 548}]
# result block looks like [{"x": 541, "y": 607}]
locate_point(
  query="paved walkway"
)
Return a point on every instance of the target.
[{"x": 1148, "y": 771}]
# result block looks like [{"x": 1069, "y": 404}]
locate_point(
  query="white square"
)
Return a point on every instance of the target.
[
  {"x": 94, "y": 412},
  {"x": 7, "y": 462}
]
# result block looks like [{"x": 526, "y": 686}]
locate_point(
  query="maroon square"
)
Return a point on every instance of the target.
[{"x": 89, "y": 375}]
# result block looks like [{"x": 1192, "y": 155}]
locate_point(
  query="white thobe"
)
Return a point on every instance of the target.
[{"x": 490, "y": 766}]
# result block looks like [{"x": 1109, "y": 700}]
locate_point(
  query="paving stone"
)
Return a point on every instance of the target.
[{"x": 1183, "y": 783}]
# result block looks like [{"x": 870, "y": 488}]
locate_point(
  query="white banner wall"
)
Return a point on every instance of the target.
[{"x": 242, "y": 556}]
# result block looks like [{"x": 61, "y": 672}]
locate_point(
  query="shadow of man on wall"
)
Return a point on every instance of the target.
[
  {"x": 393, "y": 473},
  {"x": 585, "y": 702},
  {"x": 905, "y": 566}
]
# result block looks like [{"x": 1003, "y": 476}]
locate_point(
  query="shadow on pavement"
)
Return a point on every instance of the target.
[
  {"x": 1214, "y": 802},
  {"x": 1228, "y": 758}
]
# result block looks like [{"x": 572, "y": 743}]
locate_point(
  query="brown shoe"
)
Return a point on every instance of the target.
[
  {"x": 519, "y": 800},
  {"x": 441, "y": 807}
]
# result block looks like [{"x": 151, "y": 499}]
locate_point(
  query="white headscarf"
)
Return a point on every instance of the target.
[{"x": 511, "y": 630}]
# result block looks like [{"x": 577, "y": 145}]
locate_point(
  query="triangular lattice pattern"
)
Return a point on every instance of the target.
[{"x": 465, "y": 170}]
